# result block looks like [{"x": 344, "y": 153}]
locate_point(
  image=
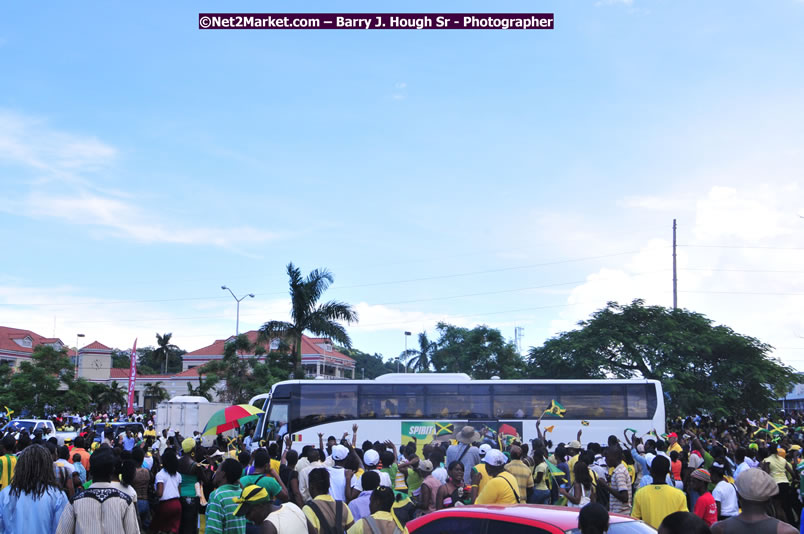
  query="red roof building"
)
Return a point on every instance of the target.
[
  {"x": 319, "y": 357},
  {"x": 17, "y": 345}
]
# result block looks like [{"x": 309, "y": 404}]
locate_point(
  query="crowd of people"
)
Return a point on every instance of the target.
[{"x": 723, "y": 476}]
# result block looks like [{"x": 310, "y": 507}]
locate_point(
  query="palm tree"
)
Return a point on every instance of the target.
[
  {"x": 419, "y": 360},
  {"x": 113, "y": 394},
  {"x": 156, "y": 392},
  {"x": 307, "y": 315},
  {"x": 204, "y": 388},
  {"x": 165, "y": 347}
]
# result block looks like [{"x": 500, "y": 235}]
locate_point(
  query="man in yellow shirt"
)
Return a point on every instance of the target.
[
  {"x": 381, "y": 518},
  {"x": 654, "y": 502},
  {"x": 501, "y": 489},
  {"x": 574, "y": 452},
  {"x": 323, "y": 508},
  {"x": 479, "y": 474},
  {"x": 672, "y": 437}
]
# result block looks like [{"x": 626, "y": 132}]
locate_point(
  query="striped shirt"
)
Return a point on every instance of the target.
[
  {"x": 7, "y": 464},
  {"x": 99, "y": 510},
  {"x": 220, "y": 511},
  {"x": 523, "y": 475}
]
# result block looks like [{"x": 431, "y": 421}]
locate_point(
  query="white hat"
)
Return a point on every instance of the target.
[
  {"x": 371, "y": 457},
  {"x": 495, "y": 457},
  {"x": 484, "y": 449},
  {"x": 339, "y": 452}
]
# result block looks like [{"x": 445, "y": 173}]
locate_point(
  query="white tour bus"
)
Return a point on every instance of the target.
[{"x": 435, "y": 407}]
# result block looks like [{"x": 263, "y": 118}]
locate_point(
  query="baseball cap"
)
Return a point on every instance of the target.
[
  {"x": 339, "y": 452},
  {"x": 574, "y": 444},
  {"x": 251, "y": 494},
  {"x": 484, "y": 449},
  {"x": 188, "y": 444},
  {"x": 426, "y": 466},
  {"x": 495, "y": 457},
  {"x": 672, "y": 435},
  {"x": 371, "y": 457}
]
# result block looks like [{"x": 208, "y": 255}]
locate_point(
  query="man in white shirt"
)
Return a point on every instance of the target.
[
  {"x": 371, "y": 461},
  {"x": 724, "y": 493},
  {"x": 314, "y": 459}
]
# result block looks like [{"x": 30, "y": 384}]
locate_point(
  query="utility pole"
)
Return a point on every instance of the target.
[{"x": 675, "y": 272}]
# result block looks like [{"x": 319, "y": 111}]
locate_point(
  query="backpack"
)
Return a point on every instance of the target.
[{"x": 324, "y": 527}]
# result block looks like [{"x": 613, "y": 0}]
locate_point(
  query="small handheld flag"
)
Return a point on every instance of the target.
[
  {"x": 585, "y": 423},
  {"x": 8, "y": 412},
  {"x": 549, "y": 429},
  {"x": 555, "y": 409}
]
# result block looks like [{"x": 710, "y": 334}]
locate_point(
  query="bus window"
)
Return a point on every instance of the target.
[
  {"x": 522, "y": 401},
  {"x": 277, "y": 421},
  {"x": 641, "y": 401},
  {"x": 459, "y": 401},
  {"x": 320, "y": 404},
  {"x": 394, "y": 401},
  {"x": 593, "y": 401}
]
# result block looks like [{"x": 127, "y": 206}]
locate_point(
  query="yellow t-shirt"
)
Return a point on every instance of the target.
[
  {"x": 314, "y": 518},
  {"x": 571, "y": 464},
  {"x": 379, "y": 517},
  {"x": 484, "y": 476},
  {"x": 654, "y": 502},
  {"x": 498, "y": 491},
  {"x": 778, "y": 468},
  {"x": 674, "y": 447},
  {"x": 541, "y": 468}
]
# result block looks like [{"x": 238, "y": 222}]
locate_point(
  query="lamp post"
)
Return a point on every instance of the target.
[
  {"x": 76, "y": 353},
  {"x": 406, "y": 349},
  {"x": 237, "y": 327}
]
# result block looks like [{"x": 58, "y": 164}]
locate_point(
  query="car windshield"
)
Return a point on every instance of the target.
[
  {"x": 626, "y": 527},
  {"x": 19, "y": 425}
]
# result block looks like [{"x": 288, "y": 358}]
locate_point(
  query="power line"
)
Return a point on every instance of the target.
[
  {"x": 742, "y": 247},
  {"x": 412, "y": 301},
  {"x": 729, "y": 270},
  {"x": 371, "y": 284}
]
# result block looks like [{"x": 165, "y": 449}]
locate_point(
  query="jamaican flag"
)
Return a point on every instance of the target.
[
  {"x": 772, "y": 428},
  {"x": 555, "y": 409},
  {"x": 444, "y": 429}
]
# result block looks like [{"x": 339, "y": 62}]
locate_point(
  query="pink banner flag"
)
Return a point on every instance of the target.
[{"x": 132, "y": 379}]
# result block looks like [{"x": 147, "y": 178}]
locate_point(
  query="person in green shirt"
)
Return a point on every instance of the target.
[
  {"x": 265, "y": 477},
  {"x": 221, "y": 506}
]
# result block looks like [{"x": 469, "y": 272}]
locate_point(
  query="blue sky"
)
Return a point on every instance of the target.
[{"x": 476, "y": 177}]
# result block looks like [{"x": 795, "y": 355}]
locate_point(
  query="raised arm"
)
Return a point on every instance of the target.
[{"x": 354, "y": 435}]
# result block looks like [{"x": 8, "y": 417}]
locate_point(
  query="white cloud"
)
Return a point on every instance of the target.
[
  {"x": 63, "y": 189},
  {"x": 375, "y": 317},
  {"x": 739, "y": 237}
]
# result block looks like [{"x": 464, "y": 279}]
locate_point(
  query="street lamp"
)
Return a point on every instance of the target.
[
  {"x": 76, "y": 353},
  {"x": 237, "y": 327}
]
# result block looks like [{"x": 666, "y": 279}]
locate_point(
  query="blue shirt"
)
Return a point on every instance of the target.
[
  {"x": 28, "y": 515},
  {"x": 360, "y": 505},
  {"x": 128, "y": 443}
]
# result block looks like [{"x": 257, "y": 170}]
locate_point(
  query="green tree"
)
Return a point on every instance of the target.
[
  {"x": 369, "y": 365},
  {"x": 248, "y": 376},
  {"x": 40, "y": 383},
  {"x": 164, "y": 349},
  {"x": 307, "y": 315},
  {"x": 112, "y": 395},
  {"x": 702, "y": 367},
  {"x": 155, "y": 391},
  {"x": 481, "y": 352},
  {"x": 205, "y": 387},
  {"x": 121, "y": 359},
  {"x": 419, "y": 360}
]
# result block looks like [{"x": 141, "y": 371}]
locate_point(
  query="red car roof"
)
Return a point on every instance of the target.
[{"x": 559, "y": 516}]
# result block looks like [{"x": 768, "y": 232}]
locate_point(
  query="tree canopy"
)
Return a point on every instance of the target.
[
  {"x": 703, "y": 367},
  {"x": 307, "y": 315},
  {"x": 481, "y": 352},
  {"x": 372, "y": 365},
  {"x": 245, "y": 376}
]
